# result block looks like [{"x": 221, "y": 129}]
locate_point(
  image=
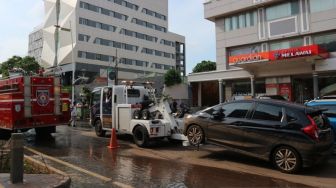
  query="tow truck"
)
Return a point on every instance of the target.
[
  {"x": 136, "y": 111},
  {"x": 33, "y": 102}
]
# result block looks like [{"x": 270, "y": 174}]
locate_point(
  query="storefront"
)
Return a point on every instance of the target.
[{"x": 299, "y": 74}]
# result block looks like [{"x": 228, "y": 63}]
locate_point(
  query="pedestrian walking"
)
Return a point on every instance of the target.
[{"x": 73, "y": 115}]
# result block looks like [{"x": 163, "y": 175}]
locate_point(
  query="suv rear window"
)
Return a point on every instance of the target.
[
  {"x": 267, "y": 112},
  {"x": 135, "y": 93}
]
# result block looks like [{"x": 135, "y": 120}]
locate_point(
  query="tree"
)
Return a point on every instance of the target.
[
  {"x": 27, "y": 64},
  {"x": 172, "y": 77},
  {"x": 204, "y": 66}
]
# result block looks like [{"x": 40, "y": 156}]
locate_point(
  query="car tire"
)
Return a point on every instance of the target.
[
  {"x": 99, "y": 129},
  {"x": 286, "y": 159},
  {"x": 195, "y": 135},
  {"x": 141, "y": 136}
]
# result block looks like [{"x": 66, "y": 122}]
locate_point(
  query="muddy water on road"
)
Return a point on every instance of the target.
[{"x": 123, "y": 166}]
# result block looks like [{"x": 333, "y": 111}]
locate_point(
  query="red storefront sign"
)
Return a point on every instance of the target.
[
  {"x": 304, "y": 51},
  {"x": 247, "y": 58},
  {"x": 312, "y": 50}
]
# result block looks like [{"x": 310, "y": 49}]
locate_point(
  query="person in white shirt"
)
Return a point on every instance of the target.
[{"x": 73, "y": 115}]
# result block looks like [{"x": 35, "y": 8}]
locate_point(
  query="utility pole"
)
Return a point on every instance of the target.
[{"x": 116, "y": 68}]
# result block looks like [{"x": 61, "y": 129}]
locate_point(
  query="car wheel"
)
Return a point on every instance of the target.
[
  {"x": 195, "y": 135},
  {"x": 140, "y": 136},
  {"x": 286, "y": 159},
  {"x": 99, "y": 129}
]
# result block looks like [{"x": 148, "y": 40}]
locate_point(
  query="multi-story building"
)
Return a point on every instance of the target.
[
  {"x": 96, "y": 34},
  {"x": 35, "y": 44},
  {"x": 275, "y": 47}
]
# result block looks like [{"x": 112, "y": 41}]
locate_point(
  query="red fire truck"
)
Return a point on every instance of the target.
[{"x": 33, "y": 102}]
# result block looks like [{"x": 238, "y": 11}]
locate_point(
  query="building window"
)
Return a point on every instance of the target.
[
  {"x": 103, "y": 11},
  {"x": 95, "y": 24},
  {"x": 154, "y": 14},
  {"x": 167, "y": 67},
  {"x": 125, "y": 4},
  {"x": 115, "y": 44},
  {"x": 84, "y": 38},
  {"x": 148, "y": 25},
  {"x": 286, "y": 44},
  {"x": 317, "y": 5},
  {"x": 240, "y": 21},
  {"x": 138, "y": 35},
  {"x": 282, "y": 10},
  {"x": 244, "y": 50},
  {"x": 326, "y": 41}
]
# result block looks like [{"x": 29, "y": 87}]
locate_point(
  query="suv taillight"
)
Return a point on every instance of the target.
[{"x": 311, "y": 130}]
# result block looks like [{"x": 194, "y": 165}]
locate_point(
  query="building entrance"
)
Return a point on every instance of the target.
[{"x": 302, "y": 89}]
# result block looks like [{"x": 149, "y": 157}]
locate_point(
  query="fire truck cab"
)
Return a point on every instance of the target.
[
  {"x": 33, "y": 102},
  {"x": 119, "y": 107}
]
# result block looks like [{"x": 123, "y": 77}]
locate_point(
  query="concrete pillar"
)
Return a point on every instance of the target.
[
  {"x": 315, "y": 85},
  {"x": 16, "y": 161},
  {"x": 199, "y": 94},
  {"x": 228, "y": 90},
  {"x": 220, "y": 88},
  {"x": 252, "y": 86}
]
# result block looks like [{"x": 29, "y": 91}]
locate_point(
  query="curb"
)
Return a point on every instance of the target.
[{"x": 64, "y": 183}]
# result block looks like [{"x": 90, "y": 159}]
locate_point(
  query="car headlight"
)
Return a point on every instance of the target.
[{"x": 188, "y": 116}]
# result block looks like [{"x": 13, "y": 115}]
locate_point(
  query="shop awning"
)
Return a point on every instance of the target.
[{"x": 298, "y": 54}]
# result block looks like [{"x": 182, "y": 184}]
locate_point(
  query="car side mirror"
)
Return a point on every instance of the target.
[{"x": 218, "y": 115}]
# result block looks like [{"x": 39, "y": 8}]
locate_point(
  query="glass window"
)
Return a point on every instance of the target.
[
  {"x": 242, "y": 21},
  {"x": 249, "y": 19},
  {"x": 317, "y": 5},
  {"x": 245, "y": 50},
  {"x": 286, "y": 44},
  {"x": 133, "y": 93},
  {"x": 267, "y": 112},
  {"x": 282, "y": 10},
  {"x": 236, "y": 110},
  {"x": 95, "y": 98},
  {"x": 291, "y": 116},
  {"x": 228, "y": 25},
  {"x": 234, "y": 20},
  {"x": 326, "y": 41}
]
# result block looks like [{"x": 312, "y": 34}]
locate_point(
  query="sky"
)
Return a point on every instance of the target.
[{"x": 19, "y": 17}]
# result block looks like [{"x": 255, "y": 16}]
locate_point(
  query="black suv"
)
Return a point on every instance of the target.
[{"x": 290, "y": 135}]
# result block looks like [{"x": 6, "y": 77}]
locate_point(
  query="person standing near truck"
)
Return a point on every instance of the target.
[{"x": 73, "y": 115}]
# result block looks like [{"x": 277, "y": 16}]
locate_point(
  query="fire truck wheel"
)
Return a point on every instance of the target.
[
  {"x": 99, "y": 129},
  {"x": 140, "y": 136}
]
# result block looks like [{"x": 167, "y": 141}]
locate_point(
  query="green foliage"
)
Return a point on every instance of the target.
[
  {"x": 86, "y": 93},
  {"x": 172, "y": 77},
  {"x": 28, "y": 64},
  {"x": 204, "y": 66}
]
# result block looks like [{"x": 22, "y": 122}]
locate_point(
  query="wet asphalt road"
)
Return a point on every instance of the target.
[{"x": 81, "y": 148}]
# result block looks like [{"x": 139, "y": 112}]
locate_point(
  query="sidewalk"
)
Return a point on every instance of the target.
[{"x": 36, "y": 181}]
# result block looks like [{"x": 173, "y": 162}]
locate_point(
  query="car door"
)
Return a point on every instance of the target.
[
  {"x": 262, "y": 130},
  {"x": 227, "y": 130}
]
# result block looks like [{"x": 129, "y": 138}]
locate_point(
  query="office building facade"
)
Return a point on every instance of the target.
[
  {"x": 273, "y": 47},
  {"x": 98, "y": 36},
  {"x": 35, "y": 44}
]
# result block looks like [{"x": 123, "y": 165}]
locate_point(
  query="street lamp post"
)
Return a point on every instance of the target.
[{"x": 72, "y": 59}]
